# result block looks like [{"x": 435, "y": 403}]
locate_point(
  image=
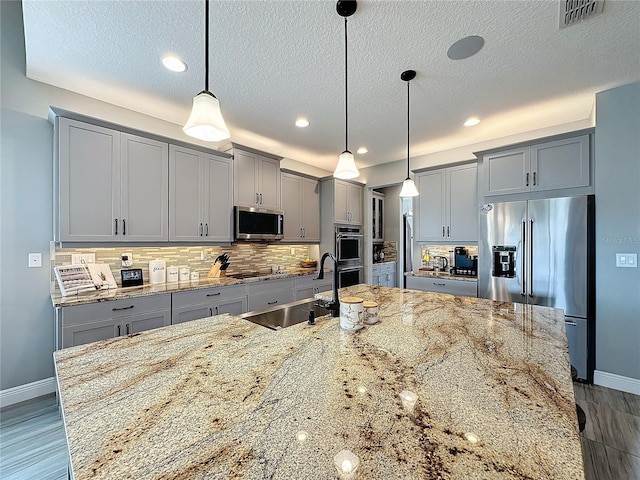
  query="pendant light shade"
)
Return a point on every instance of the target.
[
  {"x": 346, "y": 167},
  {"x": 206, "y": 122},
  {"x": 408, "y": 186}
]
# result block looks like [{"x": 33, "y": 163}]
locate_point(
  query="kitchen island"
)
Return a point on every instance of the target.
[{"x": 224, "y": 398}]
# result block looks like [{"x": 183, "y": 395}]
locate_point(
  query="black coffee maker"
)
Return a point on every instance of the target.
[{"x": 464, "y": 264}]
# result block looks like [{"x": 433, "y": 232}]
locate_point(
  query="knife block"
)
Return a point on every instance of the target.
[{"x": 215, "y": 272}]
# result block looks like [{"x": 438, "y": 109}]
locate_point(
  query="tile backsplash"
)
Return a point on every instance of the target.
[
  {"x": 446, "y": 251},
  {"x": 244, "y": 257}
]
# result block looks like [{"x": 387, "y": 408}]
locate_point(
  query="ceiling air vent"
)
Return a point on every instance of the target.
[{"x": 573, "y": 11}]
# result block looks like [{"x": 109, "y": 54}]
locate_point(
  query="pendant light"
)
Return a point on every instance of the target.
[
  {"x": 206, "y": 122},
  {"x": 346, "y": 165},
  {"x": 408, "y": 186}
]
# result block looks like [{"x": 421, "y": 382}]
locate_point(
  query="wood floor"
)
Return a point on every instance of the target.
[{"x": 33, "y": 445}]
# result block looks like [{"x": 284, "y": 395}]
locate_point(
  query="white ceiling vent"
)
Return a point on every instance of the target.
[{"x": 573, "y": 11}]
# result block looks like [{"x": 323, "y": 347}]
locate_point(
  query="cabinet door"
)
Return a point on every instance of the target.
[
  {"x": 259, "y": 301},
  {"x": 560, "y": 164},
  {"x": 244, "y": 173},
  {"x": 91, "y": 332},
  {"x": 292, "y": 207},
  {"x": 310, "y": 191},
  {"x": 218, "y": 207},
  {"x": 354, "y": 203},
  {"x": 144, "y": 189},
  {"x": 146, "y": 321},
  {"x": 340, "y": 202},
  {"x": 269, "y": 183},
  {"x": 431, "y": 206},
  {"x": 462, "y": 187},
  {"x": 377, "y": 224},
  {"x": 191, "y": 312},
  {"x": 185, "y": 195},
  {"x": 507, "y": 172},
  {"x": 89, "y": 182},
  {"x": 232, "y": 306}
]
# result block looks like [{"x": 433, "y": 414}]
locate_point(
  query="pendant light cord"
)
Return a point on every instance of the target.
[
  {"x": 346, "y": 91},
  {"x": 408, "y": 103},
  {"x": 206, "y": 45}
]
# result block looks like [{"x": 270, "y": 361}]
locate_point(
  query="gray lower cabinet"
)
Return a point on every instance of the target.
[
  {"x": 110, "y": 186},
  {"x": 77, "y": 325},
  {"x": 544, "y": 166},
  {"x": 465, "y": 288},
  {"x": 269, "y": 293},
  {"x": 308, "y": 285},
  {"x": 207, "y": 302},
  {"x": 384, "y": 274},
  {"x": 200, "y": 196}
]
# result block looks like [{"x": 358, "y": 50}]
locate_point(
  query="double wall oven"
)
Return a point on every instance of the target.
[{"x": 349, "y": 255}]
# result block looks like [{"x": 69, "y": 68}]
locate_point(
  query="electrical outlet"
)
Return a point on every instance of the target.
[
  {"x": 35, "y": 260},
  {"x": 77, "y": 258},
  {"x": 127, "y": 259}
]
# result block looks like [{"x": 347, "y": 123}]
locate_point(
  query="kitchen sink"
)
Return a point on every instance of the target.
[{"x": 286, "y": 315}]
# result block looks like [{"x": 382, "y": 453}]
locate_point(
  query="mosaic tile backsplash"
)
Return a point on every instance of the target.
[
  {"x": 244, "y": 257},
  {"x": 443, "y": 251}
]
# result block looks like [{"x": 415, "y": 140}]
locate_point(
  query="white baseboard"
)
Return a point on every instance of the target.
[
  {"x": 27, "y": 392},
  {"x": 617, "y": 382}
]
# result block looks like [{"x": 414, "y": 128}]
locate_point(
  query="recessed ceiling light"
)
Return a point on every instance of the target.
[
  {"x": 174, "y": 63},
  {"x": 465, "y": 47},
  {"x": 362, "y": 150},
  {"x": 302, "y": 122},
  {"x": 471, "y": 121}
]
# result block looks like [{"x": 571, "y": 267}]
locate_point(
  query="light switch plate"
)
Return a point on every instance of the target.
[
  {"x": 627, "y": 260},
  {"x": 35, "y": 260},
  {"x": 83, "y": 258}
]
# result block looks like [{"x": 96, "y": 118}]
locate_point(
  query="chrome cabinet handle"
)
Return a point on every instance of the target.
[
  {"x": 534, "y": 178},
  {"x": 217, "y": 310},
  {"x": 114, "y": 309},
  {"x": 300, "y": 232},
  {"x": 524, "y": 255},
  {"x": 304, "y": 232},
  {"x": 531, "y": 257},
  {"x": 119, "y": 330},
  {"x": 213, "y": 294},
  {"x": 200, "y": 230},
  {"x": 448, "y": 234},
  {"x": 124, "y": 227},
  {"x": 439, "y": 284},
  {"x": 272, "y": 303},
  {"x": 443, "y": 231},
  {"x": 527, "y": 180},
  {"x": 126, "y": 327},
  {"x": 116, "y": 226},
  {"x": 210, "y": 312},
  {"x": 260, "y": 199},
  {"x": 206, "y": 226},
  {"x": 257, "y": 199}
]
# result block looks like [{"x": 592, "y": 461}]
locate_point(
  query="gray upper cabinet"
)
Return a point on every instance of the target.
[
  {"x": 301, "y": 206},
  {"x": 256, "y": 179},
  {"x": 377, "y": 225},
  {"x": 552, "y": 165},
  {"x": 347, "y": 207},
  {"x": 200, "y": 196},
  {"x": 446, "y": 209},
  {"x": 112, "y": 187}
]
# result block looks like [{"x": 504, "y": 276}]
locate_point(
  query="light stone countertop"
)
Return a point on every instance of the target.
[
  {"x": 221, "y": 398},
  {"x": 170, "y": 287}
]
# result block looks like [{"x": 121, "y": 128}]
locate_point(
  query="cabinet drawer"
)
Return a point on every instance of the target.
[
  {"x": 206, "y": 295},
  {"x": 439, "y": 285},
  {"x": 269, "y": 285},
  {"x": 263, "y": 300},
  {"x": 387, "y": 268},
  {"x": 311, "y": 280},
  {"x": 80, "y": 314}
]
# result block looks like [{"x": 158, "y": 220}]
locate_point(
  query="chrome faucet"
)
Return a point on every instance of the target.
[{"x": 334, "y": 305}]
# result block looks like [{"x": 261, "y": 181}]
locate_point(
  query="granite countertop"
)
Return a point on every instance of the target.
[
  {"x": 445, "y": 275},
  {"x": 222, "y": 397},
  {"x": 148, "y": 289}
]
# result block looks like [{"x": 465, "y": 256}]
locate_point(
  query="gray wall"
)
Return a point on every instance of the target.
[
  {"x": 392, "y": 213},
  {"x": 618, "y": 230}
]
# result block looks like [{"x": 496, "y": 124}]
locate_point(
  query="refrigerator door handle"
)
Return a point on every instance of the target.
[
  {"x": 531, "y": 257},
  {"x": 523, "y": 269}
]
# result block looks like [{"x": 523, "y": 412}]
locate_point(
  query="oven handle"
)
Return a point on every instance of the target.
[
  {"x": 349, "y": 269},
  {"x": 348, "y": 235}
]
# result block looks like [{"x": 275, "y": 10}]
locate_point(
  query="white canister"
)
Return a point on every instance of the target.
[
  {"x": 157, "y": 271},
  {"x": 172, "y": 274},
  {"x": 351, "y": 313},
  {"x": 185, "y": 274},
  {"x": 195, "y": 276},
  {"x": 370, "y": 312}
]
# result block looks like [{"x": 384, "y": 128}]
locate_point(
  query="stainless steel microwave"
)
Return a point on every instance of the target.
[{"x": 258, "y": 224}]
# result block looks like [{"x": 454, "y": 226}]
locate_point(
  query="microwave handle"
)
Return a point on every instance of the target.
[{"x": 280, "y": 224}]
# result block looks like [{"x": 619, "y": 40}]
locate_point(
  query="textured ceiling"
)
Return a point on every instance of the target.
[{"x": 272, "y": 61}]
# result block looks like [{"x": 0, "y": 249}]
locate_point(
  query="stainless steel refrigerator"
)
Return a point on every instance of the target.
[{"x": 541, "y": 252}]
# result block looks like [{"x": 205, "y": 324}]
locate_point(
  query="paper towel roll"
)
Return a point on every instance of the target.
[{"x": 157, "y": 271}]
